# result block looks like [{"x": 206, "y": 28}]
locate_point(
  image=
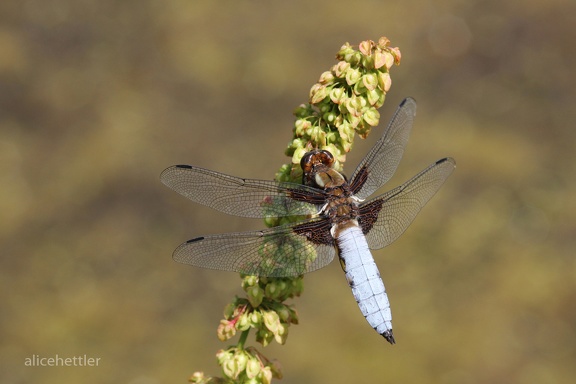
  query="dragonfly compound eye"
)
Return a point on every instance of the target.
[{"x": 316, "y": 157}]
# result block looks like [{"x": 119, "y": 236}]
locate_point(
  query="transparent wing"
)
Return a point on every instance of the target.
[
  {"x": 289, "y": 250},
  {"x": 381, "y": 162},
  {"x": 242, "y": 197},
  {"x": 384, "y": 218}
]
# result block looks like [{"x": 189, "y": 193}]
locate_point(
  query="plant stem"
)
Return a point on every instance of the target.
[{"x": 243, "y": 338}]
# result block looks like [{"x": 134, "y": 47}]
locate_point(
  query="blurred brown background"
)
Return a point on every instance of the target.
[{"x": 98, "y": 97}]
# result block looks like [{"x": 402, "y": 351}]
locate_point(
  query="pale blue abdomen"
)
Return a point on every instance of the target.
[{"x": 364, "y": 279}]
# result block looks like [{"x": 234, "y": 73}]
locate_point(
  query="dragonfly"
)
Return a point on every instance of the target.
[{"x": 334, "y": 216}]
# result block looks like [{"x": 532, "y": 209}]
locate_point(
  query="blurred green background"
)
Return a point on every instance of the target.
[{"x": 98, "y": 97}]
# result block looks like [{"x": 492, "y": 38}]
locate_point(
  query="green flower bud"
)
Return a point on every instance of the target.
[
  {"x": 281, "y": 334},
  {"x": 388, "y": 59},
  {"x": 370, "y": 81},
  {"x": 241, "y": 360},
  {"x": 367, "y": 62},
  {"x": 289, "y": 151},
  {"x": 363, "y": 129},
  {"x": 363, "y": 102},
  {"x": 346, "y": 131},
  {"x": 336, "y": 95},
  {"x": 277, "y": 290},
  {"x": 226, "y": 330},
  {"x": 366, "y": 47},
  {"x": 266, "y": 375},
  {"x": 271, "y": 291},
  {"x": 384, "y": 81},
  {"x": 317, "y": 135},
  {"x": 355, "y": 58},
  {"x": 329, "y": 117},
  {"x": 353, "y": 75},
  {"x": 379, "y": 59},
  {"x": 297, "y": 286},
  {"x": 301, "y": 127},
  {"x": 397, "y": 55},
  {"x": 282, "y": 285},
  {"x": 346, "y": 145},
  {"x": 293, "y": 315},
  {"x": 302, "y": 111},
  {"x": 243, "y": 323},
  {"x": 255, "y": 319},
  {"x": 381, "y": 100},
  {"x": 197, "y": 377},
  {"x": 373, "y": 96},
  {"x": 283, "y": 173},
  {"x": 359, "y": 89},
  {"x": 255, "y": 296},
  {"x": 340, "y": 158},
  {"x": 372, "y": 117},
  {"x": 318, "y": 93},
  {"x": 268, "y": 250},
  {"x": 345, "y": 53},
  {"x": 354, "y": 120},
  {"x": 271, "y": 320},
  {"x": 326, "y": 78},
  {"x": 283, "y": 314},
  {"x": 230, "y": 368},
  {"x": 249, "y": 281},
  {"x": 298, "y": 153},
  {"x": 297, "y": 143},
  {"x": 264, "y": 336},
  {"x": 342, "y": 108},
  {"x": 271, "y": 221},
  {"x": 338, "y": 120},
  {"x": 383, "y": 42},
  {"x": 353, "y": 105},
  {"x": 287, "y": 249},
  {"x": 331, "y": 137},
  {"x": 340, "y": 69},
  {"x": 223, "y": 355},
  {"x": 253, "y": 368},
  {"x": 324, "y": 106}
]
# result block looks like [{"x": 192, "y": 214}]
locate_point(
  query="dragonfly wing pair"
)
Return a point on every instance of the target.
[
  {"x": 383, "y": 219},
  {"x": 311, "y": 243}
]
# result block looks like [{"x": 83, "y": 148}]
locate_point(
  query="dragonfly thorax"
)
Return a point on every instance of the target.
[{"x": 340, "y": 206}]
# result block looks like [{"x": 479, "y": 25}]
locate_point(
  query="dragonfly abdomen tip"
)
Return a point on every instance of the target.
[{"x": 389, "y": 337}]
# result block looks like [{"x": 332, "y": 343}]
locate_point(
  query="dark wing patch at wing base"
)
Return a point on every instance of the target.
[
  {"x": 317, "y": 232},
  {"x": 360, "y": 178},
  {"x": 307, "y": 196},
  {"x": 368, "y": 214}
]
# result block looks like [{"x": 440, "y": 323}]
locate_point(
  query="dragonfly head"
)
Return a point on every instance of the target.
[{"x": 313, "y": 162}]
